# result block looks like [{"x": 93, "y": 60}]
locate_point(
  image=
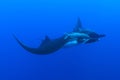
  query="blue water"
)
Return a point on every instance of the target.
[{"x": 31, "y": 20}]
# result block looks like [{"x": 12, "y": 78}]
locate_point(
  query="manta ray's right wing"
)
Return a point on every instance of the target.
[{"x": 29, "y": 49}]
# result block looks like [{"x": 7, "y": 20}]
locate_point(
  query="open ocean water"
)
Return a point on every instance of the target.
[{"x": 31, "y": 20}]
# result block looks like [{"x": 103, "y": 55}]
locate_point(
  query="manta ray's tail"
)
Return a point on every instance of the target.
[{"x": 32, "y": 50}]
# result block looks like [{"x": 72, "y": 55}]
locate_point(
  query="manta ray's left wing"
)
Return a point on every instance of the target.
[{"x": 78, "y": 26}]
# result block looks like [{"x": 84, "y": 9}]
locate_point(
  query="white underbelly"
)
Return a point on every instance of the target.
[{"x": 71, "y": 43}]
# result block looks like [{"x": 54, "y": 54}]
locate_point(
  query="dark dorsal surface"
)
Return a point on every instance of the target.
[
  {"x": 53, "y": 45},
  {"x": 46, "y": 40},
  {"x": 47, "y": 46}
]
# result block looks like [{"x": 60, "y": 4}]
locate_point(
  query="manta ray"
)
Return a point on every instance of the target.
[
  {"x": 47, "y": 46},
  {"x": 77, "y": 36}
]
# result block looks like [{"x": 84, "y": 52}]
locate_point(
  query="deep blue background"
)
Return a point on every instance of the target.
[{"x": 31, "y": 20}]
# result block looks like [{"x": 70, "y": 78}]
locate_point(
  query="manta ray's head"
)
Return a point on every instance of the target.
[{"x": 95, "y": 37}]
